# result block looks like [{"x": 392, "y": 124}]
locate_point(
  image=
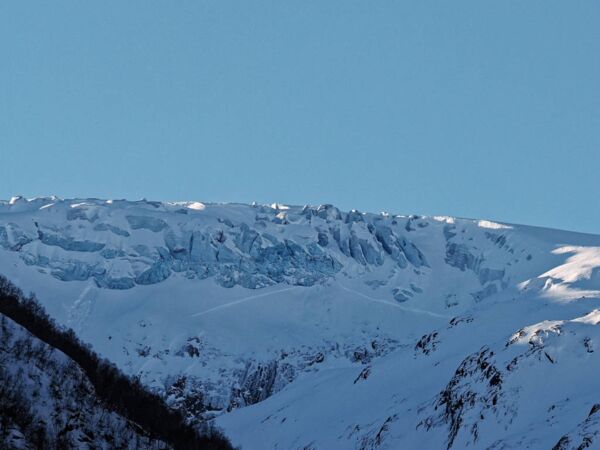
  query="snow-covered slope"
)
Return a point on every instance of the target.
[
  {"x": 47, "y": 401},
  {"x": 309, "y": 327}
]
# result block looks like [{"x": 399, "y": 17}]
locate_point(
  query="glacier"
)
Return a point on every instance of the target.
[{"x": 308, "y": 327}]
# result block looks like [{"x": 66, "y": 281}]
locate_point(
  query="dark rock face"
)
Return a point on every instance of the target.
[
  {"x": 187, "y": 396},
  {"x": 474, "y": 391},
  {"x": 427, "y": 343},
  {"x": 259, "y": 381}
]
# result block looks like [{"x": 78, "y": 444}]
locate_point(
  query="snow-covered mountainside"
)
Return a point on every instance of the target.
[
  {"x": 313, "y": 328},
  {"x": 47, "y": 401},
  {"x": 56, "y": 393}
]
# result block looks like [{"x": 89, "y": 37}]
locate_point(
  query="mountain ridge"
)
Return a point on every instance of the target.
[
  {"x": 393, "y": 330},
  {"x": 45, "y": 200}
]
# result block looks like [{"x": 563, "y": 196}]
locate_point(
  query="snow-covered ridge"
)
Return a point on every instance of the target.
[
  {"x": 311, "y": 327},
  {"x": 120, "y": 244}
]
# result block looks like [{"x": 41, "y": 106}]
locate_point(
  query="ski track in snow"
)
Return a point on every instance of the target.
[
  {"x": 242, "y": 300},
  {"x": 345, "y": 288},
  {"x": 385, "y": 302}
]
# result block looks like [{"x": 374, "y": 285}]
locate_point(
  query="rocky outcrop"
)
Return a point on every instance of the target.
[
  {"x": 585, "y": 435},
  {"x": 474, "y": 391},
  {"x": 427, "y": 344}
]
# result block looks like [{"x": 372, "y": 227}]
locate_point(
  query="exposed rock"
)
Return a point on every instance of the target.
[{"x": 427, "y": 343}]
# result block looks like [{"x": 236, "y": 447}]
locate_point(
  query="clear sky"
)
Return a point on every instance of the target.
[{"x": 483, "y": 109}]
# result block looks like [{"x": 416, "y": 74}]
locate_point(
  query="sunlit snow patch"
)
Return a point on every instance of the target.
[
  {"x": 16, "y": 199},
  {"x": 446, "y": 219},
  {"x": 196, "y": 206},
  {"x": 492, "y": 225},
  {"x": 580, "y": 266},
  {"x": 592, "y": 318}
]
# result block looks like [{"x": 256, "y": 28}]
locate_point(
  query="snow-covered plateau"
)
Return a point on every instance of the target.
[{"x": 312, "y": 328}]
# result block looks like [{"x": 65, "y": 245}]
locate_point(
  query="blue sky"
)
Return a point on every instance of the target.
[{"x": 471, "y": 108}]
